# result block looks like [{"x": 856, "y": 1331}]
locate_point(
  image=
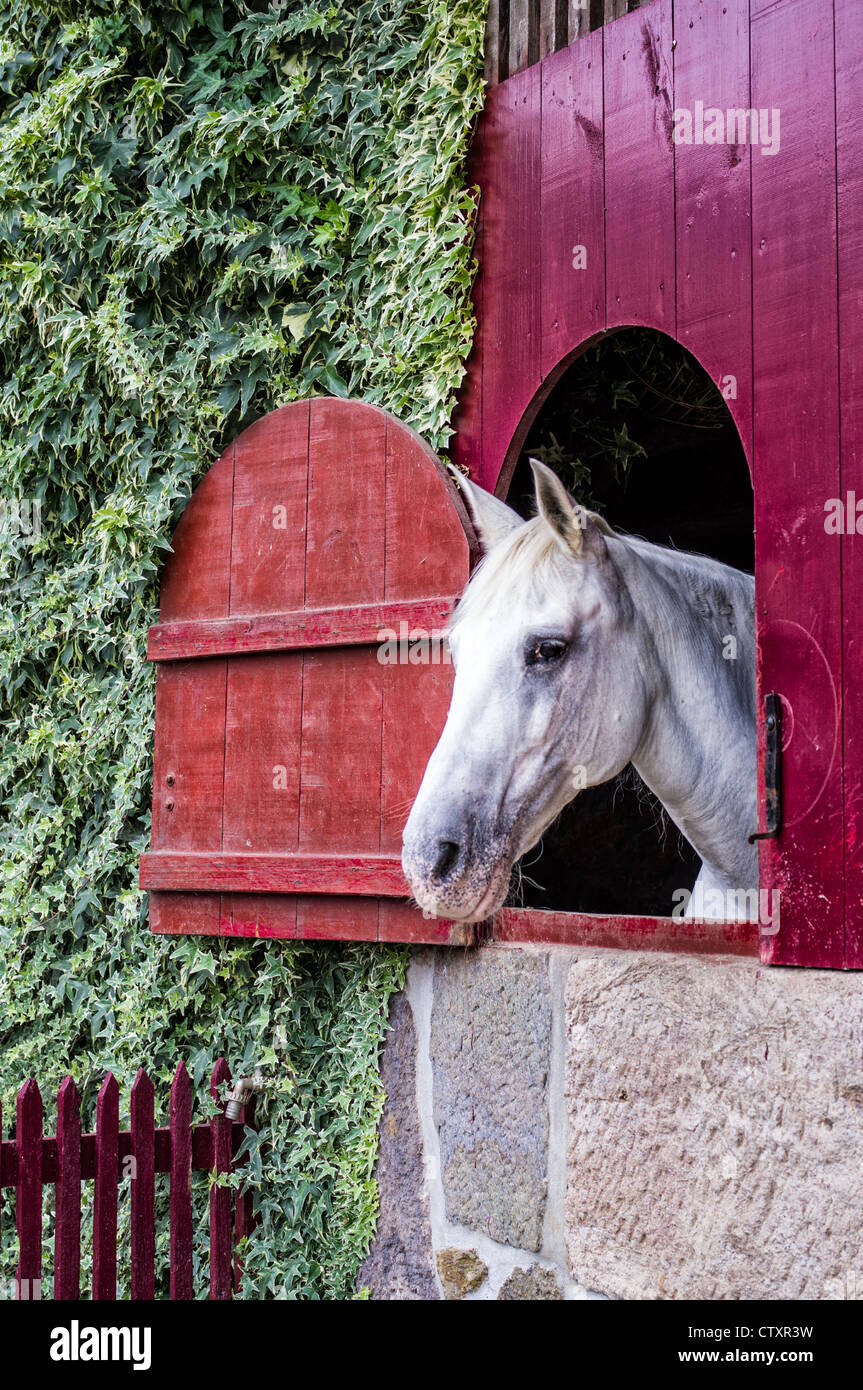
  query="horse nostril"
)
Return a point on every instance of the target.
[{"x": 446, "y": 860}]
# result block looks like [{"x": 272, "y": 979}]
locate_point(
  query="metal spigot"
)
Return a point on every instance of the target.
[{"x": 242, "y": 1087}]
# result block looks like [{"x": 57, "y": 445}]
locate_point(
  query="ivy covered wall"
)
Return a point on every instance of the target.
[{"x": 206, "y": 211}]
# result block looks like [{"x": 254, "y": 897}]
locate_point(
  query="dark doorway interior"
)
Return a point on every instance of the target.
[{"x": 638, "y": 432}]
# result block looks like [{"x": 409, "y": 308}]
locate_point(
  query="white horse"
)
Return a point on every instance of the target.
[{"x": 578, "y": 650}]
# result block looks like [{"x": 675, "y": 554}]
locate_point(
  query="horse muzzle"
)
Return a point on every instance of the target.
[{"x": 451, "y": 875}]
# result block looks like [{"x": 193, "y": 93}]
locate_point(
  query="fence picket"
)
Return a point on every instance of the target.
[
  {"x": 220, "y": 1197},
  {"x": 67, "y": 1217},
  {"x": 28, "y": 1211},
  {"x": 105, "y": 1197},
  {"x": 143, "y": 1187},
  {"x": 244, "y": 1215},
  {"x": 181, "y": 1184}
]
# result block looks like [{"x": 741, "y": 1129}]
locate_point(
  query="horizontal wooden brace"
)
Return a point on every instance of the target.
[
  {"x": 522, "y": 924},
  {"x": 301, "y": 917},
  {"x": 351, "y": 626},
  {"x": 202, "y": 1153},
  {"x": 381, "y": 876},
  {"x": 356, "y": 875}
]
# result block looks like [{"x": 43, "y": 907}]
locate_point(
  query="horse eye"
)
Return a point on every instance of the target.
[{"x": 544, "y": 650}]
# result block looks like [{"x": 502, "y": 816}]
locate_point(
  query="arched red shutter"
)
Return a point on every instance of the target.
[{"x": 287, "y": 753}]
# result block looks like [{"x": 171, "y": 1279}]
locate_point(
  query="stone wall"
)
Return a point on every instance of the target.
[{"x": 575, "y": 1123}]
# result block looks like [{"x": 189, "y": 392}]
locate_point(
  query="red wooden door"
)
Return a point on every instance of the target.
[
  {"x": 592, "y": 218},
  {"x": 288, "y": 752}
]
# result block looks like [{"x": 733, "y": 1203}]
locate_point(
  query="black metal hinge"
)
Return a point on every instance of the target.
[{"x": 772, "y": 770}]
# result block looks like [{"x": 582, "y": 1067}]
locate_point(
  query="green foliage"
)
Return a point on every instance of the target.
[
  {"x": 612, "y": 401},
  {"x": 206, "y": 211}
]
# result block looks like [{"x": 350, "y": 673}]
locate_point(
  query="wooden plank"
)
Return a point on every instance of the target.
[
  {"x": 67, "y": 1218},
  {"x": 334, "y": 918},
  {"x": 143, "y": 1187},
  {"x": 429, "y": 543},
  {"x": 429, "y": 540},
  {"x": 503, "y": 39},
  {"x": 416, "y": 703},
  {"x": 403, "y": 921},
  {"x": 201, "y": 1154},
  {"x": 510, "y": 180},
  {"x": 351, "y": 625},
  {"x": 639, "y": 169},
  {"x": 548, "y": 22},
  {"x": 713, "y": 202},
  {"x": 258, "y": 915},
  {"x": 105, "y": 1192},
  {"x": 189, "y": 761},
  {"x": 796, "y": 465},
  {"x": 268, "y": 542},
  {"x": 572, "y": 248},
  {"x": 849, "y": 142},
  {"x": 340, "y": 770},
  {"x": 187, "y": 914},
  {"x": 190, "y": 589},
  {"x": 553, "y": 26},
  {"x": 366, "y": 875},
  {"x": 465, "y": 447},
  {"x": 28, "y": 1195},
  {"x": 523, "y": 34},
  {"x": 338, "y": 918},
  {"x": 615, "y": 9},
  {"x": 262, "y": 753},
  {"x": 220, "y": 1197},
  {"x": 340, "y": 759},
  {"x": 625, "y": 933},
  {"x": 181, "y": 1185},
  {"x": 345, "y": 526},
  {"x": 245, "y": 1219},
  {"x": 491, "y": 49},
  {"x": 583, "y": 17}
]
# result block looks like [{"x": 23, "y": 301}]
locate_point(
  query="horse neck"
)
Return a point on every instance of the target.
[{"x": 697, "y": 753}]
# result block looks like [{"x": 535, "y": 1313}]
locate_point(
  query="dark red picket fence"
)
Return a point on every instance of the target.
[{"x": 111, "y": 1155}]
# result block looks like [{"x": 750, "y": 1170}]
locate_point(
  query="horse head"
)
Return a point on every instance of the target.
[{"x": 551, "y": 694}]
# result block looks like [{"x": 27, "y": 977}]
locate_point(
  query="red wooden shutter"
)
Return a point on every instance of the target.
[
  {"x": 287, "y": 755},
  {"x": 751, "y": 262}
]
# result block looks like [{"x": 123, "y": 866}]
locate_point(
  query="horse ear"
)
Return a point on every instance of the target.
[
  {"x": 568, "y": 521},
  {"x": 494, "y": 520}
]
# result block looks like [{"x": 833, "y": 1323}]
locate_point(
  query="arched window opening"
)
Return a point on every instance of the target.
[{"x": 639, "y": 432}]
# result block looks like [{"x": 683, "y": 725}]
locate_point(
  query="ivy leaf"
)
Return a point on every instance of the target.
[
  {"x": 329, "y": 378},
  {"x": 294, "y": 318}
]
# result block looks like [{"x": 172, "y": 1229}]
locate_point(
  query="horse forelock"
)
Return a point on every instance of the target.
[{"x": 528, "y": 565}]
